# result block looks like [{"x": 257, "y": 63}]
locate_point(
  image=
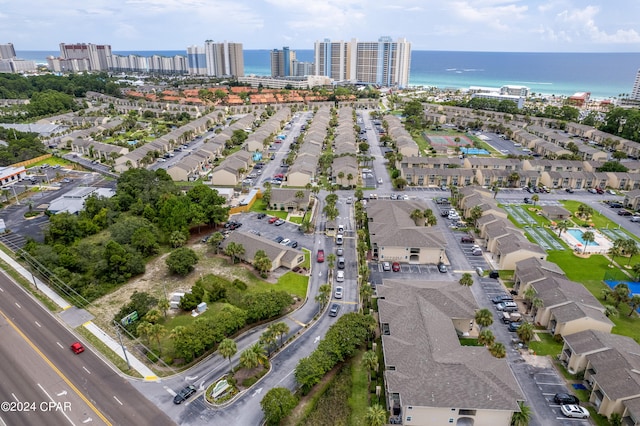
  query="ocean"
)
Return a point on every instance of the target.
[{"x": 604, "y": 75}]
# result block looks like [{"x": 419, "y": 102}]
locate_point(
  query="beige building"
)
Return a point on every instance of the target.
[
  {"x": 281, "y": 256},
  {"x": 395, "y": 237},
  {"x": 430, "y": 378}
]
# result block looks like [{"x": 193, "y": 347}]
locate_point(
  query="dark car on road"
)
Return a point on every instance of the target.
[
  {"x": 262, "y": 215},
  {"x": 565, "y": 398},
  {"x": 624, "y": 213},
  {"x": 184, "y": 394},
  {"x": 320, "y": 256},
  {"x": 333, "y": 311},
  {"x": 467, "y": 239}
]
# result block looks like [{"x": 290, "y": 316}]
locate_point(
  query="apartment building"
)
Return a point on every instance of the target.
[
  {"x": 96, "y": 55},
  {"x": 7, "y": 51},
  {"x": 384, "y": 62},
  {"x": 282, "y": 62}
]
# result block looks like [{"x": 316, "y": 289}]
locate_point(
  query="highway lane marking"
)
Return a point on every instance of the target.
[
  {"x": 85, "y": 369},
  {"x": 18, "y": 305},
  {"x": 1, "y": 289},
  {"x": 301, "y": 324},
  {"x": 58, "y": 343},
  {"x": 57, "y": 370},
  {"x": 38, "y": 324},
  {"x": 51, "y": 399},
  {"x": 116, "y": 398}
]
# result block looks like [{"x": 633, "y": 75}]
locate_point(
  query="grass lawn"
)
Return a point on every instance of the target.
[
  {"x": 307, "y": 258},
  {"x": 546, "y": 346},
  {"x": 359, "y": 393},
  {"x": 295, "y": 219},
  {"x": 598, "y": 219},
  {"x": 261, "y": 206}
]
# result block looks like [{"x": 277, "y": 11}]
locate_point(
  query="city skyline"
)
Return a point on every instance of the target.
[{"x": 461, "y": 25}]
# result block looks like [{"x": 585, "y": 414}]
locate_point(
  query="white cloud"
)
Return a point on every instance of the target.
[{"x": 583, "y": 22}]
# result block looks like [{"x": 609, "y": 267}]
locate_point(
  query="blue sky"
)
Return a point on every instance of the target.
[{"x": 464, "y": 25}]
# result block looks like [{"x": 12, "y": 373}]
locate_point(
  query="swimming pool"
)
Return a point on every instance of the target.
[
  {"x": 474, "y": 151},
  {"x": 577, "y": 234}
]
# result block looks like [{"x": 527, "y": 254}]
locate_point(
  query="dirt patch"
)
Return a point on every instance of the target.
[{"x": 156, "y": 280}]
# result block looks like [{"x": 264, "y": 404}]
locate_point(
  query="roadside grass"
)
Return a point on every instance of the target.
[
  {"x": 27, "y": 285},
  {"x": 261, "y": 207},
  {"x": 106, "y": 351},
  {"x": 291, "y": 282},
  {"x": 358, "y": 397},
  {"x": 296, "y": 219},
  {"x": 469, "y": 342},
  {"x": 546, "y": 346},
  {"x": 307, "y": 258}
]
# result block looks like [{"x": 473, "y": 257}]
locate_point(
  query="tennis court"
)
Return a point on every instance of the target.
[{"x": 442, "y": 140}]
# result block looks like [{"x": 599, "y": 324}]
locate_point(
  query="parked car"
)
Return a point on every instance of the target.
[
  {"x": 339, "y": 251},
  {"x": 184, "y": 394},
  {"x": 339, "y": 239},
  {"x": 320, "y": 256},
  {"x": 262, "y": 215},
  {"x": 442, "y": 267},
  {"x": 527, "y": 200},
  {"x": 338, "y": 293},
  {"x": 285, "y": 241},
  {"x": 494, "y": 274},
  {"x": 624, "y": 213},
  {"x": 386, "y": 266},
  {"x": 340, "y": 276},
  {"x": 273, "y": 219},
  {"x": 514, "y": 326},
  {"x": 278, "y": 239},
  {"x": 77, "y": 348},
  {"x": 333, "y": 311},
  {"x": 592, "y": 190},
  {"x": 293, "y": 244},
  {"x": 566, "y": 399},
  {"x": 279, "y": 222},
  {"x": 574, "y": 411},
  {"x": 569, "y": 190},
  {"x": 395, "y": 267},
  {"x": 634, "y": 218},
  {"x": 507, "y": 306},
  {"x": 349, "y": 200},
  {"x": 476, "y": 252},
  {"x": 502, "y": 298},
  {"x": 467, "y": 239},
  {"x": 341, "y": 263}
]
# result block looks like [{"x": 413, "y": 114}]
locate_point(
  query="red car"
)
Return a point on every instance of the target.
[
  {"x": 395, "y": 267},
  {"x": 279, "y": 176},
  {"x": 320, "y": 256},
  {"x": 77, "y": 348},
  {"x": 273, "y": 219}
]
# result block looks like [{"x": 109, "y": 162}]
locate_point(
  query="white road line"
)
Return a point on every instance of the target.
[
  {"x": 18, "y": 305},
  {"x": 85, "y": 369},
  {"x": 114, "y": 397},
  {"x": 38, "y": 324},
  {"x": 51, "y": 399},
  {"x": 58, "y": 343}
]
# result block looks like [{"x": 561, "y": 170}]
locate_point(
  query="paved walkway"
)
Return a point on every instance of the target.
[{"x": 135, "y": 363}]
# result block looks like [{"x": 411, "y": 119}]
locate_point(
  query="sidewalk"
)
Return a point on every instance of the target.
[{"x": 135, "y": 363}]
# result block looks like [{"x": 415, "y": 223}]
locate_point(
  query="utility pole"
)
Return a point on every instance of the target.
[{"x": 124, "y": 349}]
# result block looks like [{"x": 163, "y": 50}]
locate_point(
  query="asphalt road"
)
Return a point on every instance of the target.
[{"x": 109, "y": 397}]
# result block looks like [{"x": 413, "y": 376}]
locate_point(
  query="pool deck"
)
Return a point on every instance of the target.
[{"x": 603, "y": 243}]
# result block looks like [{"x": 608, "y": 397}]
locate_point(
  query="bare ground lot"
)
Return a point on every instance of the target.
[{"x": 156, "y": 275}]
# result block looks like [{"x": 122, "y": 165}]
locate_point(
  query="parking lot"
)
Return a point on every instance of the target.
[{"x": 407, "y": 272}]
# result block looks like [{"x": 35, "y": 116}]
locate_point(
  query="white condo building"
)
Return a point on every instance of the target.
[
  {"x": 385, "y": 62},
  {"x": 635, "y": 93}
]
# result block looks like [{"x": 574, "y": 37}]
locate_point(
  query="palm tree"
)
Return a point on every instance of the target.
[
  {"x": 248, "y": 359},
  {"x": 620, "y": 294},
  {"x": 513, "y": 179},
  {"x": 525, "y": 332},
  {"x": 269, "y": 339},
  {"x": 475, "y": 214},
  {"x": 370, "y": 363},
  {"x": 484, "y": 318},
  {"x": 366, "y": 291},
  {"x": 324, "y": 292},
  {"x": 341, "y": 176},
  {"x": 610, "y": 311},
  {"x": 529, "y": 295},
  {"x": 156, "y": 332},
  {"x": 536, "y": 304},
  {"x": 587, "y": 237},
  {"x": 261, "y": 357},
  {"x": 349, "y": 178},
  {"x": 486, "y": 337},
  {"x": 535, "y": 198},
  {"x": 522, "y": 417},
  {"x": 606, "y": 293},
  {"x": 331, "y": 260},
  {"x": 466, "y": 280},
  {"x": 563, "y": 226},
  {"x": 227, "y": 349},
  {"x": 234, "y": 250},
  {"x": 281, "y": 328},
  {"x": 498, "y": 350},
  {"x": 376, "y": 415},
  {"x": 416, "y": 216},
  {"x": 636, "y": 271},
  {"x": 299, "y": 196},
  {"x": 634, "y": 303},
  {"x": 630, "y": 248}
]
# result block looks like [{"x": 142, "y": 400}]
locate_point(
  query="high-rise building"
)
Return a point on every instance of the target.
[
  {"x": 635, "y": 93},
  {"x": 224, "y": 59},
  {"x": 7, "y": 51},
  {"x": 301, "y": 69},
  {"x": 96, "y": 54},
  {"x": 282, "y": 62},
  {"x": 385, "y": 62},
  {"x": 196, "y": 58}
]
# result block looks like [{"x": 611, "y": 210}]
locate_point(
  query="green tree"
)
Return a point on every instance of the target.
[
  {"x": 156, "y": 333},
  {"x": 269, "y": 339},
  {"x": 630, "y": 248},
  {"x": 525, "y": 332},
  {"x": 234, "y": 250},
  {"x": 620, "y": 294},
  {"x": 376, "y": 415},
  {"x": 634, "y": 303},
  {"x": 529, "y": 295},
  {"x": 227, "y": 349},
  {"x": 215, "y": 240},
  {"x": 466, "y": 280},
  {"x": 281, "y": 329},
  {"x": 587, "y": 237},
  {"x": 498, "y": 350},
  {"x": 486, "y": 337},
  {"x": 181, "y": 261},
  {"x": 277, "y": 404},
  {"x": 521, "y": 417},
  {"x": 562, "y": 226},
  {"x": 484, "y": 318},
  {"x": 262, "y": 263},
  {"x": 178, "y": 239},
  {"x": 324, "y": 293},
  {"x": 370, "y": 363},
  {"x": 475, "y": 213},
  {"x": 249, "y": 359},
  {"x": 535, "y": 198}
]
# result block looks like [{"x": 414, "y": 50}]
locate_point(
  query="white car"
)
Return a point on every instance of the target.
[
  {"x": 285, "y": 241},
  {"x": 575, "y": 411},
  {"x": 340, "y": 276},
  {"x": 338, "y": 292},
  {"x": 380, "y": 181}
]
